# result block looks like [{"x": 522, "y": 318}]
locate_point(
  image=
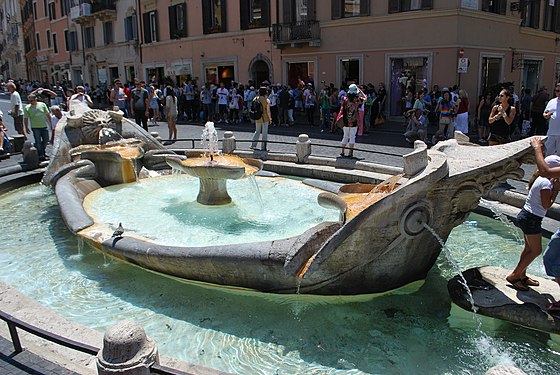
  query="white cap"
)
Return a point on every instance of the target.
[
  {"x": 352, "y": 89},
  {"x": 552, "y": 161}
]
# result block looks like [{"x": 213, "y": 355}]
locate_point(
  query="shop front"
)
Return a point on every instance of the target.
[
  {"x": 300, "y": 72},
  {"x": 406, "y": 71}
]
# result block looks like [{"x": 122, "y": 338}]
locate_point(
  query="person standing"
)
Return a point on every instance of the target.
[
  {"x": 188, "y": 92},
  {"x": 483, "y": 112},
  {"x": 310, "y": 100},
  {"x": 56, "y": 115},
  {"x": 139, "y": 104},
  {"x": 261, "y": 124},
  {"x": 171, "y": 113},
  {"x": 462, "y": 120},
  {"x": 283, "y": 103},
  {"x": 223, "y": 95},
  {"x": 501, "y": 119},
  {"x": 349, "y": 114},
  {"x": 81, "y": 96},
  {"x": 17, "y": 108},
  {"x": 551, "y": 113},
  {"x": 36, "y": 114},
  {"x": 118, "y": 97},
  {"x": 538, "y": 104},
  {"x": 542, "y": 194}
]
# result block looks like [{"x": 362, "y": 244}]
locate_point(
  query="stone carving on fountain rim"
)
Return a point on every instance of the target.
[{"x": 93, "y": 121}]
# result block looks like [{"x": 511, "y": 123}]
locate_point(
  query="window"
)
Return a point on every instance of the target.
[
  {"x": 254, "y": 14},
  {"x": 494, "y": 6},
  {"x": 38, "y": 41},
  {"x": 27, "y": 44},
  {"x": 349, "y": 8},
  {"x": 35, "y": 11},
  {"x": 130, "y": 28},
  {"x": 45, "y": 8},
  {"x": 70, "y": 40},
  {"x": 177, "y": 21},
  {"x": 64, "y": 7},
  {"x": 89, "y": 37},
  {"x": 530, "y": 13},
  {"x": 396, "y": 6},
  {"x": 55, "y": 43},
  {"x": 48, "y": 39},
  {"x": 107, "y": 32},
  {"x": 52, "y": 11},
  {"x": 151, "y": 32},
  {"x": 552, "y": 17},
  {"x": 298, "y": 10},
  {"x": 214, "y": 17}
]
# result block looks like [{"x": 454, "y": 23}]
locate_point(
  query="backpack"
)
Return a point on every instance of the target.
[{"x": 256, "y": 109}]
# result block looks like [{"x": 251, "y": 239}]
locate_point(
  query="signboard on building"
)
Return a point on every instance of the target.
[{"x": 463, "y": 65}]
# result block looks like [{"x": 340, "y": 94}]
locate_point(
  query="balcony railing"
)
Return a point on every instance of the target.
[
  {"x": 103, "y": 5},
  {"x": 297, "y": 33}
]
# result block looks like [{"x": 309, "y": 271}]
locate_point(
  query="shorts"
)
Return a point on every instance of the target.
[
  {"x": 499, "y": 138},
  {"x": 551, "y": 257},
  {"x": 18, "y": 123},
  {"x": 529, "y": 223}
]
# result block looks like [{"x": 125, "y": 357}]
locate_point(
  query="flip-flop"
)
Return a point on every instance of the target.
[
  {"x": 530, "y": 282},
  {"x": 554, "y": 307},
  {"x": 518, "y": 284}
]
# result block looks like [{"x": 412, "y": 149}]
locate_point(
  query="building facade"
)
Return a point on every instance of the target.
[
  {"x": 12, "y": 58},
  {"x": 473, "y": 43},
  {"x": 103, "y": 39}
]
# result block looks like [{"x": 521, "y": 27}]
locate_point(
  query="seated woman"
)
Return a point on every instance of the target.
[{"x": 417, "y": 127}]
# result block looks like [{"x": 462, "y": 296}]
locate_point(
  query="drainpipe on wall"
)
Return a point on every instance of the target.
[{"x": 140, "y": 35}]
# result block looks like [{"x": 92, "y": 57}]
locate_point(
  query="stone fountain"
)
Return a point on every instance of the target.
[
  {"x": 213, "y": 169},
  {"x": 380, "y": 241}
]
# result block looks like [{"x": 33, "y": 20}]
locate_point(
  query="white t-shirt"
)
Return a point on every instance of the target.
[
  {"x": 223, "y": 96},
  {"x": 533, "y": 203},
  {"x": 15, "y": 99},
  {"x": 554, "y": 122}
]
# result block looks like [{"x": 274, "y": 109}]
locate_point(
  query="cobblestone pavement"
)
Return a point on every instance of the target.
[{"x": 26, "y": 362}]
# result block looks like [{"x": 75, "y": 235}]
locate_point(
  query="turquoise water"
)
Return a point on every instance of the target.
[
  {"x": 414, "y": 332},
  {"x": 169, "y": 213}
]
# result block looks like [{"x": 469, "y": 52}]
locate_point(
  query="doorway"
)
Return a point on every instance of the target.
[{"x": 260, "y": 72}]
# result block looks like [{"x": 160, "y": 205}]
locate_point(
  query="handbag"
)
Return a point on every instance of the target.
[
  {"x": 525, "y": 127},
  {"x": 340, "y": 122},
  {"x": 379, "y": 120}
]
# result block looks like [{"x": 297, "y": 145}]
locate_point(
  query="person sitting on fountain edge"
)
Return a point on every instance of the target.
[
  {"x": 542, "y": 193},
  {"x": 551, "y": 257}
]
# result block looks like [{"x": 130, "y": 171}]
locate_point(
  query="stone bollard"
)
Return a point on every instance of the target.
[
  {"x": 228, "y": 145},
  {"x": 303, "y": 148},
  {"x": 156, "y": 136},
  {"x": 19, "y": 140},
  {"x": 30, "y": 155},
  {"x": 126, "y": 350},
  {"x": 505, "y": 370}
]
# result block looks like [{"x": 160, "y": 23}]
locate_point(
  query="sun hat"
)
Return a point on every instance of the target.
[
  {"x": 552, "y": 161},
  {"x": 352, "y": 89}
]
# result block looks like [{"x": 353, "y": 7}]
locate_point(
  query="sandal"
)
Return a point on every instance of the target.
[
  {"x": 554, "y": 307},
  {"x": 518, "y": 284},
  {"x": 530, "y": 282},
  {"x": 342, "y": 155}
]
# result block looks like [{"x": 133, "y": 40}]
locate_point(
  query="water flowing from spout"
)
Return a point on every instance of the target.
[
  {"x": 209, "y": 139},
  {"x": 108, "y": 135},
  {"x": 256, "y": 191},
  {"x": 499, "y": 215},
  {"x": 457, "y": 270}
]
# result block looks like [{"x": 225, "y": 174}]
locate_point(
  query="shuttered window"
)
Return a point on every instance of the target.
[
  {"x": 552, "y": 17},
  {"x": 178, "y": 21},
  {"x": 349, "y": 8},
  {"x": 150, "y": 23},
  {"x": 494, "y": 6},
  {"x": 214, "y": 16},
  {"x": 254, "y": 14},
  {"x": 396, "y": 6}
]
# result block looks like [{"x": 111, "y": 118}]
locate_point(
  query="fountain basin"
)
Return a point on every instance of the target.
[{"x": 213, "y": 173}]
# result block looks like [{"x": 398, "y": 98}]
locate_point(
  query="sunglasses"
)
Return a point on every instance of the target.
[
  {"x": 501, "y": 95},
  {"x": 557, "y": 90}
]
